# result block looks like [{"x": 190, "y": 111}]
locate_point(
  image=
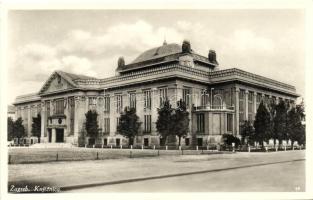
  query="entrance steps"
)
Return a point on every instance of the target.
[{"x": 52, "y": 145}]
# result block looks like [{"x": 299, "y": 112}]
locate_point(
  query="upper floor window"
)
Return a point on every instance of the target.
[
  {"x": 132, "y": 100},
  {"x": 107, "y": 103},
  {"x": 204, "y": 97},
  {"x": 92, "y": 102},
  {"x": 186, "y": 96},
  {"x": 147, "y": 123},
  {"x": 147, "y": 99},
  {"x": 119, "y": 102},
  {"x": 59, "y": 106},
  {"x": 163, "y": 95},
  {"x": 200, "y": 123}
]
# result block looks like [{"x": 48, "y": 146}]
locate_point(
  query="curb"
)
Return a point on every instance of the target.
[{"x": 73, "y": 187}]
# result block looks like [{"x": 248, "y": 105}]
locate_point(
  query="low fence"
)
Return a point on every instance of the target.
[{"x": 94, "y": 152}]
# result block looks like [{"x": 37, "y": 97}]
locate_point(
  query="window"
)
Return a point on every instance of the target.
[
  {"x": 92, "y": 102},
  {"x": 229, "y": 122},
  {"x": 132, "y": 100},
  {"x": 187, "y": 141},
  {"x": 250, "y": 105},
  {"x": 119, "y": 103},
  {"x": 107, "y": 103},
  {"x": 59, "y": 104},
  {"x": 258, "y": 100},
  {"x": 147, "y": 99},
  {"x": 147, "y": 123},
  {"x": 200, "y": 123},
  {"x": 117, "y": 121},
  {"x": 241, "y": 105},
  {"x": 163, "y": 95},
  {"x": 204, "y": 97},
  {"x": 186, "y": 96},
  {"x": 106, "y": 125}
]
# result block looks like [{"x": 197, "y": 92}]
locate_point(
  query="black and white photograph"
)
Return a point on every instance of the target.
[{"x": 157, "y": 100}]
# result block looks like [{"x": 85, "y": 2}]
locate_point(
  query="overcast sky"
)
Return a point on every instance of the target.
[{"x": 265, "y": 42}]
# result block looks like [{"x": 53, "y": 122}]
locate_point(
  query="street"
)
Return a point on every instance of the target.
[{"x": 238, "y": 172}]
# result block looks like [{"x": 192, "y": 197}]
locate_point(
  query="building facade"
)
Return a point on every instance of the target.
[{"x": 218, "y": 100}]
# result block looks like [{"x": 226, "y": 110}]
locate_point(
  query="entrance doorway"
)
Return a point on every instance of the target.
[
  {"x": 118, "y": 142},
  {"x": 200, "y": 142},
  {"x": 146, "y": 142},
  {"x": 49, "y": 135},
  {"x": 59, "y": 135}
]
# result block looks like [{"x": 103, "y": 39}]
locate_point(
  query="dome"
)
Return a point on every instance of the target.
[{"x": 164, "y": 50}]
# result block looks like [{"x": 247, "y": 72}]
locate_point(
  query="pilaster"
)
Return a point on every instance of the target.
[
  {"x": 237, "y": 110},
  {"x": 246, "y": 113}
]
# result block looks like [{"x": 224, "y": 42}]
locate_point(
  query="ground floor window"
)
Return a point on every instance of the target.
[
  {"x": 200, "y": 123},
  {"x": 229, "y": 122},
  {"x": 106, "y": 125},
  {"x": 147, "y": 124},
  {"x": 187, "y": 141},
  {"x": 118, "y": 142},
  {"x": 105, "y": 141}
]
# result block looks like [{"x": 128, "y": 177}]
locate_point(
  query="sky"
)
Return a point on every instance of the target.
[{"x": 267, "y": 42}]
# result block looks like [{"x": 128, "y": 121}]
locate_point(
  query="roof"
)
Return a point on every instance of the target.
[
  {"x": 11, "y": 109},
  {"x": 74, "y": 77},
  {"x": 164, "y": 50}
]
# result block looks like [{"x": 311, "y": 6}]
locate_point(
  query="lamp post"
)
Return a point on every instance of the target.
[{"x": 211, "y": 97}]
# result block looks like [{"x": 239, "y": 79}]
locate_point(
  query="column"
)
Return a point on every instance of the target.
[
  {"x": 67, "y": 119},
  {"x": 246, "y": 105},
  {"x": 76, "y": 117},
  {"x": 53, "y": 137},
  {"x": 237, "y": 110},
  {"x": 43, "y": 121}
]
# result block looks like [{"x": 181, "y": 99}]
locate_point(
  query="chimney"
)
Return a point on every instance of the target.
[
  {"x": 186, "y": 47},
  {"x": 120, "y": 62},
  {"x": 212, "y": 57}
]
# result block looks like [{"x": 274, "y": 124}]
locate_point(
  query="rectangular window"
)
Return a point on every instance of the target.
[
  {"x": 258, "y": 100},
  {"x": 59, "y": 104},
  {"x": 250, "y": 106},
  {"x": 241, "y": 105},
  {"x": 186, "y": 96},
  {"x": 163, "y": 95},
  {"x": 187, "y": 141},
  {"x": 132, "y": 100},
  {"x": 147, "y": 123},
  {"x": 92, "y": 102},
  {"x": 204, "y": 97},
  {"x": 200, "y": 123},
  {"x": 117, "y": 121},
  {"x": 229, "y": 122},
  {"x": 106, "y": 125},
  {"x": 119, "y": 103},
  {"x": 147, "y": 99},
  {"x": 107, "y": 103}
]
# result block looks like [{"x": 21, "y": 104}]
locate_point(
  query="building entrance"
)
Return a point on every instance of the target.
[
  {"x": 59, "y": 135},
  {"x": 200, "y": 142}
]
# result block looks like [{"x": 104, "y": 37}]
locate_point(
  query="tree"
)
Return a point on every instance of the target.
[
  {"x": 10, "y": 129},
  {"x": 163, "y": 123},
  {"x": 280, "y": 122},
  {"x": 262, "y": 124},
  {"x": 92, "y": 126},
  {"x": 247, "y": 131},
  {"x": 180, "y": 121},
  {"x": 36, "y": 126},
  {"x": 295, "y": 128},
  {"x": 19, "y": 129},
  {"x": 272, "y": 110},
  {"x": 129, "y": 124}
]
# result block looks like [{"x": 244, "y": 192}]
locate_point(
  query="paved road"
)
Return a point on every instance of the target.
[
  {"x": 288, "y": 175},
  {"x": 281, "y": 177}
]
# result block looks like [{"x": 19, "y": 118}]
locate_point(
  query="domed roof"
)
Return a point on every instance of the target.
[{"x": 164, "y": 50}]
